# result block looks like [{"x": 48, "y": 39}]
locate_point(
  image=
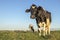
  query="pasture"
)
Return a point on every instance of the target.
[{"x": 21, "y": 35}]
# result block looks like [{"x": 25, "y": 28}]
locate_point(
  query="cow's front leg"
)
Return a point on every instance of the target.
[
  {"x": 44, "y": 30},
  {"x": 40, "y": 25},
  {"x": 39, "y": 31}
]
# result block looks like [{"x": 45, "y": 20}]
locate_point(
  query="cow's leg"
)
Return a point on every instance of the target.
[
  {"x": 40, "y": 25},
  {"x": 48, "y": 25},
  {"x": 39, "y": 31},
  {"x": 44, "y": 31},
  {"x": 49, "y": 29}
]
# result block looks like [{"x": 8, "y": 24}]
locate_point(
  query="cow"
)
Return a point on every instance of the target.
[
  {"x": 43, "y": 18},
  {"x": 31, "y": 27}
]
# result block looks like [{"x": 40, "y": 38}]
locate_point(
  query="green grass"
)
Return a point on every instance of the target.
[{"x": 20, "y": 35}]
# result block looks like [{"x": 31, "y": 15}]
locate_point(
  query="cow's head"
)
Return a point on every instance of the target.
[{"x": 32, "y": 10}]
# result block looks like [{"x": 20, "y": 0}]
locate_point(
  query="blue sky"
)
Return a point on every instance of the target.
[{"x": 13, "y": 15}]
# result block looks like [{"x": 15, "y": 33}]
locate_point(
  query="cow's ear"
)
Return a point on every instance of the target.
[
  {"x": 40, "y": 7},
  {"x": 27, "y": 10}
]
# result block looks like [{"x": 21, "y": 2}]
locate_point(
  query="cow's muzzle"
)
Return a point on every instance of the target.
[{"x": 32, "y": 16}]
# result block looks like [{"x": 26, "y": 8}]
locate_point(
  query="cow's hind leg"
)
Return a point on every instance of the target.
[
  {"x": 48, "y": 25},
  {"x": 46, "y": 30},
  {"x": 49, "y": 29}
]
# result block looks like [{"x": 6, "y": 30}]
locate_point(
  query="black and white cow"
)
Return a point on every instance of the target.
[
  {"x": 43, "y": 18},
  {"x": 31, "y": 27}
]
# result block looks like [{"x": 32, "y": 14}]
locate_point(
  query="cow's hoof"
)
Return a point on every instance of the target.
[{"x": 39, "y": 34}]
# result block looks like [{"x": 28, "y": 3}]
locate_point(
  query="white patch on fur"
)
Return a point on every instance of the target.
[
  {"x": 33, "y": 7},
  {"x": 42, "y": 28}
]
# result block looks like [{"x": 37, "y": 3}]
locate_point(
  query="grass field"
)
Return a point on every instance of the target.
[{"x": 21, "y": 35}]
